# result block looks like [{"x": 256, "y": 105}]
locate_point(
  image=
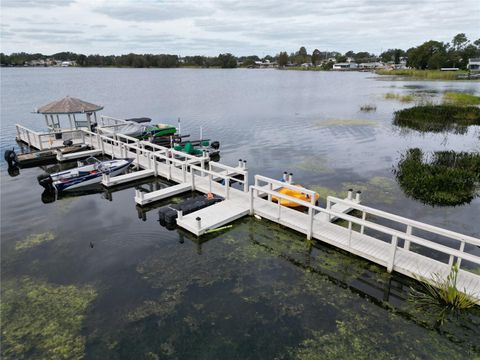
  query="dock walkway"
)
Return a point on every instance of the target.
[{"x": 365, "y": 237}]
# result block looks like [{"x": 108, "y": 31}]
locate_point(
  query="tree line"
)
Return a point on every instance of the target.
[{"x": 429, "y": 55}]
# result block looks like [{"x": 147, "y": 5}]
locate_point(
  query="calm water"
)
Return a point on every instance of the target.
[{"x": 257, "y": 290}]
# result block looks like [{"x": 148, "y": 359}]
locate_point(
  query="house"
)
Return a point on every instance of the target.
[
  {"x": 345, "y": 66},
  {"x": 473, "y": 64},
  {"x": 372, "y": 65}
]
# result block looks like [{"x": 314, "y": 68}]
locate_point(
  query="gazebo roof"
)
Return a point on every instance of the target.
[{"x": 69, "y": 105}]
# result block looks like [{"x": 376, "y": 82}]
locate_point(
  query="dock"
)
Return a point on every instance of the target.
[{"x": 364, "y": 236}]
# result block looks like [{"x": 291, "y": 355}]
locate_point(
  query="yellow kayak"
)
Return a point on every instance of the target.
[{"x": 293, "y": 193}]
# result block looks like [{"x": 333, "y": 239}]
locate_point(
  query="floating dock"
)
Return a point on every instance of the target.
[{"x": 363, "y": 236}]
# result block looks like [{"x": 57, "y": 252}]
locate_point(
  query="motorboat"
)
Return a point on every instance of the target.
[
  {"x": 89, "y": 173},
  {"x": 145, "y": 131}
]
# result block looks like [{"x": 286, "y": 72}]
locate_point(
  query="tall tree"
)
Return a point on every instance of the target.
[
  {"x": 282, "y": 59},
  {"x": 316, "y": 57}
]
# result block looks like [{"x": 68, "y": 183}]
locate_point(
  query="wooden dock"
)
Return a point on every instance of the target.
[{"x": 363, "y": 236}]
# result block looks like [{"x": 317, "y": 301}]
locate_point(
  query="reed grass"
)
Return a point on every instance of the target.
[
  {"x": 442, "y": 296},
  {"x": 438, "y": 118},
  {"x": 368, "y": 107},
  {"x": 461, "y": 99},
  {"x": 399, "y": 97},
  {"x": 424, "y": 74}
]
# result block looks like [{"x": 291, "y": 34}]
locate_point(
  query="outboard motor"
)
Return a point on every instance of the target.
[
  {"x": 11, "y": 158},
  {"x": 46, "y": 181},
  {"x": 215, "y": 145},
  {"x": 68, "y": 142}
]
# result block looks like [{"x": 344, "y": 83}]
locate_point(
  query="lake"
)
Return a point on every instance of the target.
[{"x": 93, "y": 276}]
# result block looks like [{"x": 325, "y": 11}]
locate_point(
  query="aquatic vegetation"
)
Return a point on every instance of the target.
[
  {"x": 461, "y": 99},
  {"x": 424, "y": 74},
  {"x": 399, "y": 97},
  {"x": 378, "y": 189},
  {"x": 438, "y": 118},
  {"x": 368, "y": 107},
  {"x": 324, "y": 192},
  {"x": 34, "y": 240},
  {"x": 346, "y": 122},
  {"x": 43, "y": 320},
  {"x": 442, "y": 296},
  {"x": 316, "y": 164},
  {"x": 445, "y": 178}
]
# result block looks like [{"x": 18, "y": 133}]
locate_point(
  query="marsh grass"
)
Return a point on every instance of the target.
[
  {"x": 368, "y": 107},
  {"x": 447, "y": 178},
  {"x": 438, "y": 118},
  {"x": 461, "y": 99},
  {"x": 424, "y": 74},
  {"x": 399, "y": 97},
  {"x": 441, "y": 296}
]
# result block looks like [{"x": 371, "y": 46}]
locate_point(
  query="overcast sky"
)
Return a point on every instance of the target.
[{"x": 242, "y": 27}]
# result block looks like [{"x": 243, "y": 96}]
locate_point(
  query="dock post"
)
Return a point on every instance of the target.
[
  {"x": 362, "y": 227},
  {"x": 245, "y": 164},
  {"x": 251, "y": 201},
  {"x": 285, "y": 176},
  {"x": 392, "y": 258},
  {"x": 18, "y": 132},
  {"x": 240, "y": 163},
  {"x": 139, "y": 195},
  {"x": 227, "y": 188},
  {"x": 106, "y": 179},
  {"x": 290, "y": 178},
  {"x": 271, "y": 189},
  {"x": 358, "y": 196},
  {"x": 179, "y": 214},
  {"x": 350, "y": 194},
  {"x": 199, "y": 222},
  {"x": 155, "y": 164},
  {"x": 406, "y": 244},
  {"x": 192, "y": 172},
  {"x": 103, "y": 147},
  {"x": 184, "y": 171},
  {"x": 210, "y": 182},
  {"x": 310, "y": 223},
  {"x": 462, "y": 248}
]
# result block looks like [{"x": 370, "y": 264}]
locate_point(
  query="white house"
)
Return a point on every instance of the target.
[
  {"x": 345, "y": 66},
  {"x": 473, "y": 64}
]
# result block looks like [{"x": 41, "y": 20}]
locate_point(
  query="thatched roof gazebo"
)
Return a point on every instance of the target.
[{"x": 69, "y": 106}]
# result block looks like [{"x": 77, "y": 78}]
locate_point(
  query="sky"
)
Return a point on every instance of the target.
[{"x": 243, "y": 27}]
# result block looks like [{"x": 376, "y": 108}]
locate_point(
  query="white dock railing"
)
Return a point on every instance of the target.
[
  {"x": 48, "y": 140},
  {"x": 365, "y": 224}
]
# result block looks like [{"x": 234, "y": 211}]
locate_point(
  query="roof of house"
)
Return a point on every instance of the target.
[{"x": 68, "y": 105}]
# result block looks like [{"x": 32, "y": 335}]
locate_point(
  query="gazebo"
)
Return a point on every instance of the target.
[{"x": 69, "y": 106}]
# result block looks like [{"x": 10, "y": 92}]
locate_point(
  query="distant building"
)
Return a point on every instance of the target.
[
  {"x": 265, "y": 64},
  {"x": 372, "y": 65},
  {"x": 345, "y": 66},
  {"x": 473, "y": 64},
  {"x": 67, "y": 63}
]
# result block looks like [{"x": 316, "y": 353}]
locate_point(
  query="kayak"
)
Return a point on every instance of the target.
[
  {"x": 295, "y": 194},
  {"x": 88, "y": 174}
]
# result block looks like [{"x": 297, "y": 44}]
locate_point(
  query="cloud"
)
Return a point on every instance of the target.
[
  {"x": 152, "y": 11},
  {"x": 36, "y": 3}
]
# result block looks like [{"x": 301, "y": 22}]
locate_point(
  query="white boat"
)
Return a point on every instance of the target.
[{"x": 88, "y": 174}]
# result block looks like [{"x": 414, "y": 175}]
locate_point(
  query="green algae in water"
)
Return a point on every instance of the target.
[
  {"x": 43, "y": 320},
  {"x": 378, "y": 189},
  {"x": 315, "y": 164},
  {"x": 34, "y": 240}
]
